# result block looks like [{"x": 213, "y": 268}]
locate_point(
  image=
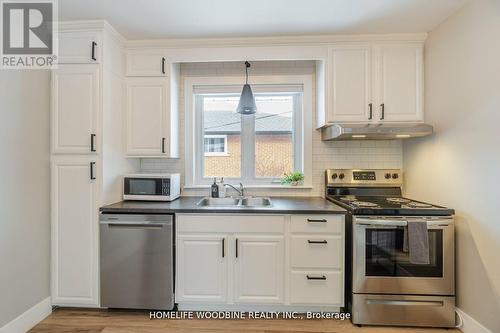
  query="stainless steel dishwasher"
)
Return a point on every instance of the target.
[{"x": 137, "y": 265}]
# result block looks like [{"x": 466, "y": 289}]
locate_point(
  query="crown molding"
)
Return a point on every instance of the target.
[
  {"x": 91, "y": 25},
  {"x": 306, "y": 40}
]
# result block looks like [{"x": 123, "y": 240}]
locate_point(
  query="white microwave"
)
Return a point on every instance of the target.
[{"x": 151, "y": 186}]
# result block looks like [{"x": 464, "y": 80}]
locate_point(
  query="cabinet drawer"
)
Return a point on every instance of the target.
[
  {"x": 317, "y": 251},
  {"x": 151, "y": 63},
  {"x": 333, "y": 224},
  {"x": 321, "y": 288}
]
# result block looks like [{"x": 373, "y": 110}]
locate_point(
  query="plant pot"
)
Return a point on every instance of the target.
[{"x": 294, "y": 183}]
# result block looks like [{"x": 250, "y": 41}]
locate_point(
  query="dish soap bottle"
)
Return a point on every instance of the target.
[
  {"x": 222, "y": 188},
  {"x": 215, "y": 189}
]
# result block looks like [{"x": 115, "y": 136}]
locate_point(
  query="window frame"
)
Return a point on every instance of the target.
[
  {"x": 216, "y": 136},
  {"x": 302, "y": 134}
]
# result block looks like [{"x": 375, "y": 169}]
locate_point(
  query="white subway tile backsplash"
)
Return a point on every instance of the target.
[{"x": 326, "y": 154}]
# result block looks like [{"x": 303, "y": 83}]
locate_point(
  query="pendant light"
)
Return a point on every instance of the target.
[{"x": 247, "y": 101}]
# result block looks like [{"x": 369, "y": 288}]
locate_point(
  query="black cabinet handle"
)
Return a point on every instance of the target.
[
  {"x": 163, "y": 65},
  {"x": 317, "y": 242},
  {"x": 92, "y": 145},
  {"x": 94, "y": 44},
  {"x": 383, "y": 111},
  {"x": 236, "y": 247},
  {"x": 370, "y": 107},
  {"x": 315, "y": 220},
  {"x": 322, "y": 277},
  {"x": 163, "y": 145},
  {"x": 92, "y": 176},
  {"x": 223, "y": 247}
]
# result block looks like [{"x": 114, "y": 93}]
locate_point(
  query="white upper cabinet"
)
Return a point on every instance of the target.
[
  {"x": 371, "y": 83},
  {"x": 152, "y": 121},
  {"x": 79, "y": 47},
  {"x": 259, "y": 267},
  {"x": 147, "y": 117},
  {"x": 75, "y": 109},
  {"x": 74, "y": 231},
  {"x": 399, "y": 82},
  {"x": 351, "y": 83},
  {"x": 146, "y": 63}
]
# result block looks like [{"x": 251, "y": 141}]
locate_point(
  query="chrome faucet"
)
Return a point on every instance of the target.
[{"x": 240, "y": 191}]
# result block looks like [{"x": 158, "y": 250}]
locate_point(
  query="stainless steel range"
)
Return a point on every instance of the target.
[{"x": 387, "y": 286}]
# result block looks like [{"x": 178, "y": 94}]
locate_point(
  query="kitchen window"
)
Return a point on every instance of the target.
[{"x": 253, "y": 149}]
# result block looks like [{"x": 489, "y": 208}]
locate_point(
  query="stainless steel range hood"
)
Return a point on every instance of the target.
[{"x": 344, "y": 132}]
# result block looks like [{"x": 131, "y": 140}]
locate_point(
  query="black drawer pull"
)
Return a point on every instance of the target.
[
  {"x": 92, "y": 164},
  {"x": 163, "y": 65},
  {"x": 223, "y": 247},
  {"x": 382, "y": 116},
  {"x": 92, "y": 144},
  {"x": 316, "y": 220},
  {"x": 163, "y": 145},
  {"x": 370, "y": 106},
  {"x": 94, "y": 44},
  {"x": 236, "y": 248},
  {"x": 317, "y": 242},
  {"x": 322, "y": 277}
]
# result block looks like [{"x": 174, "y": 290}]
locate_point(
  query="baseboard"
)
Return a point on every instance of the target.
[
  {"x": 471, "y": 325},
  {"x": 28, "y": 319}
]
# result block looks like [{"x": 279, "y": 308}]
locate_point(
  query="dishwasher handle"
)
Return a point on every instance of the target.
[{"x": 135, "y": 225}]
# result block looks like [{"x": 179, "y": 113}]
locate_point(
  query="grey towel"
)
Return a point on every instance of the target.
[{"x": 418, "y": 242}]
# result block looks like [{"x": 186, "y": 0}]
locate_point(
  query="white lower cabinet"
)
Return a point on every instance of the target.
[
  {"x": 258, "y": 269},
  {"x": 75, "y": 261},
  {"x": 201, "y": 268},
  {"x": 260, "y": 260}
]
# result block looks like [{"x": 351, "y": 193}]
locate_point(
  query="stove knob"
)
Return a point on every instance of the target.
[
  {"x": 341, "y": 176},
  {"x": 395, "y": 176},
  {"x": 334, "y": 176},
  {"x": 387, "y": 176}
]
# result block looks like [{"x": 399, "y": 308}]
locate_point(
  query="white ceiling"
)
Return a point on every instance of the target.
[{"x": 143, "y": 19}]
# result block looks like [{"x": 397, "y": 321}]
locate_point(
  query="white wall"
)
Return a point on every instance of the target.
[
  {"x": 460, "y": 165},
  {"x": 356, "y": 154},
  {"x": 24, "y": 191}
]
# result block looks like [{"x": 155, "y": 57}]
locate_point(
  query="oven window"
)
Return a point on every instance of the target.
[
  {"x": 385, "y": 254},
  {"x": 142, "y": 186}
]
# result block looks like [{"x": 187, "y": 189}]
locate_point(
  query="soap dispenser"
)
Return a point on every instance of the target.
[
  {"x": 222, "y": 188},
  {"x": 215, "y": 189}
]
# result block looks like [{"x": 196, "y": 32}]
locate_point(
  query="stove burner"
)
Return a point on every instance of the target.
[
  {"x": 364, "y": 204},
  {"x": 398, "y": 200},
  {"x": 349, "y": 198},
  {"x": 414, "y": 204}
]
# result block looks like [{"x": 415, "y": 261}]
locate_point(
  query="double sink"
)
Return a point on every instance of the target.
[{"x": 237, "y": 202}]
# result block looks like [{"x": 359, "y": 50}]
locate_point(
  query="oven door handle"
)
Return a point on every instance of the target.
[{"x": 392, "y": 223}]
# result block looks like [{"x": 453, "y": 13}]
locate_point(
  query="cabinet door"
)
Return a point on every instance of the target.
[
  {"x": 79, "y": 48},
  {"x": 351, "y": 84},
  {"x": 398, "y": 81},
  {"x": 258, "y": 269},
  {"x": 74, "y": 232},
  {"x": 146, "y": 118},
  {"x": 75, "y": 109},
  {"x": 201, "y": 274},
  {"x": 150, "y": 63}
]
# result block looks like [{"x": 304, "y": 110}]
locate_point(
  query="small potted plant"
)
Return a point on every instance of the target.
[{"x": 292, "y": 178}]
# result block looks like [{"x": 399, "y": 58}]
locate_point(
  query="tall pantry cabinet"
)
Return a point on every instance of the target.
[{"x": 86, "y": 129}]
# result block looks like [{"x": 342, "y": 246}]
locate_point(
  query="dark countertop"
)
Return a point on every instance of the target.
[{"x": 280, "y": 205}]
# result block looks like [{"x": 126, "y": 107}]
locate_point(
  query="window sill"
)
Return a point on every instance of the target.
[{"x": 263, "y": 186}]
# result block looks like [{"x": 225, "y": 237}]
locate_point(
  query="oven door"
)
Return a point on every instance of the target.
[{"x": 380, "y": 264}]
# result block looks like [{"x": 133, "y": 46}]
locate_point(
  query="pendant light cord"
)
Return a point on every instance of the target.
[{"x": 247, "y": 65}]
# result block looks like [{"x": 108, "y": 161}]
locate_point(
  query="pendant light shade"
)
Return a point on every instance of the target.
[{"x": 247, "y": 101}]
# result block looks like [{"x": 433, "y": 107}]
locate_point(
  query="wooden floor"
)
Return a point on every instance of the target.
[{"x": 102, "y": 321}]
